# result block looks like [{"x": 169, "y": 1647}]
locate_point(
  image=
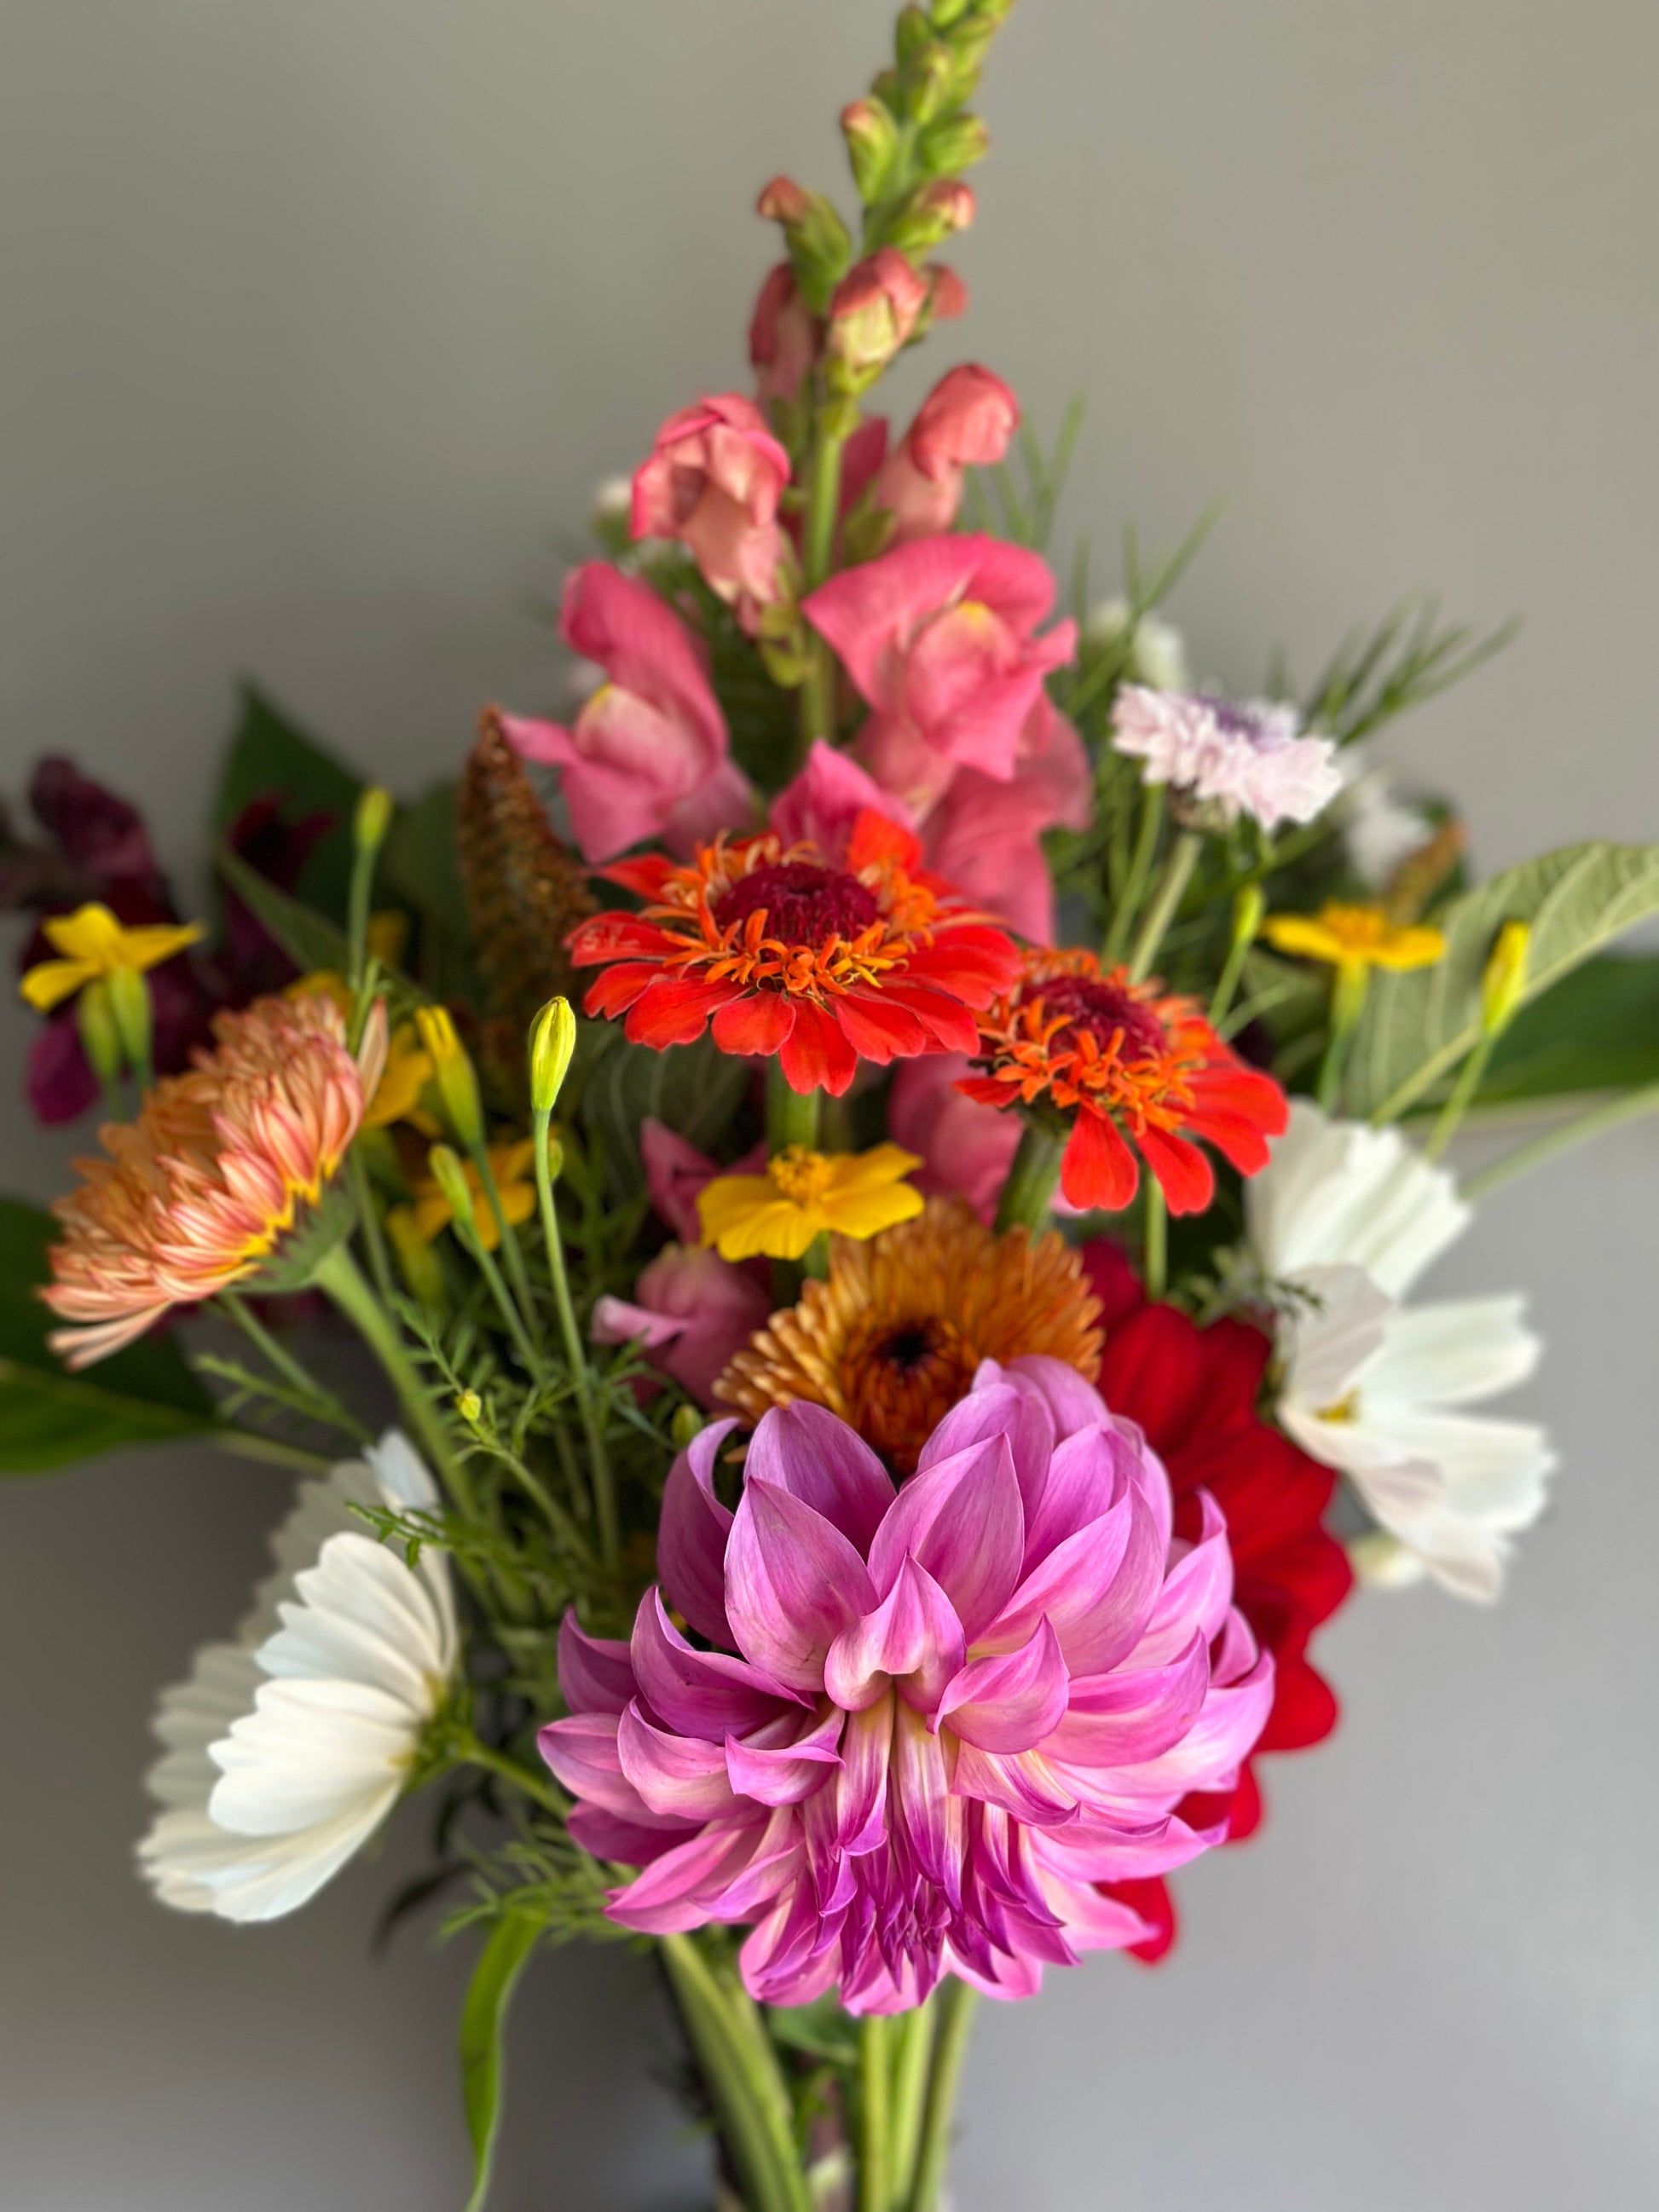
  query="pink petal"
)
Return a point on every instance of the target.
[
  {"x": 963, "y": 1522},
  {"x": 913, "y": 1634},
  {"x": 595, "y": 1674},
  {"x": 793, "y": 1583},
  {"x": 677, "y": 1774},
  {"x": 1124, "y": 1718},
  {"x": 701, "y": 1694},
  {"x": 998, "y": 1406},
  {"x": 1012, "y": 1702},
  {"x": 805, "y": 1449},
  {"x": 692, "y": 1535},
  {"x": 784, "y": 1773},
  {"x": 667, "y": 1900}
]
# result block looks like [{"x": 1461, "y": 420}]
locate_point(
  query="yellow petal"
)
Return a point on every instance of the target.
[
  {"x": 776, "y": 1232},
  {"x": 154, "y": 942},
  {"x": 864, "y": 1212},
  {"x": 878, "y": 1169},
  {"x": 49, "y": 983},
  {"x": 89, "y": 933},
  {"x": 1300, "y": 935},
  {"x": 729, "y": 1200},
  {"x": 1410, "y": 948}
]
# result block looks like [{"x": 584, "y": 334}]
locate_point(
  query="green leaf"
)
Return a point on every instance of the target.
[
  {"x": 310, "y": 939},
  {"x": 483, "y": 2021},
  {"x": 420, "y": 869},
  {"x": 1417, "y": 1027},
  {"x": 694, "y": 1088},
  {"x": 50, "y": 1418},
  {"x": 271, "y": 754},
  {"x": 1597, "y": 1030}
]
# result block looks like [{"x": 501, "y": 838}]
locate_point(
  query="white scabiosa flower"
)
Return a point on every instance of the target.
[
  {"x": 1379, "y": 829},
  {"x": 1241, "y": 757},
  {"x": 1157, "y": 655},
  {"x": 1349, "y": 1217},
  {"x": 287, "y": 1748}
]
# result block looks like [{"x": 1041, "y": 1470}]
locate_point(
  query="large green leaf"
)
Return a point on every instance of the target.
[
  {"x": 420, "y": 869},
  {"x": 1418, "y": 1026},
  {"x": 50, "y": 1418},
  {"x": 271, "y": 754},
  {"x": 1597, "y": 1030},
  {"x": 483, "y": 2023},
  {"x": 310, "y": 939}
]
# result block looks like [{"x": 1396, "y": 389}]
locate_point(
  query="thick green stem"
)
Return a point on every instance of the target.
[
  {"x": 1155, "y": 1256},
  {"x": 875, "y": 2114},
  {"x": 792, "y": 1117},
  {"x": 1177, "y": 873},
  {"x": 340, "y": 1278},
  {"x": 817, "y": 693},
  {"x": 956, "y": 2003},
  {"x": 506, "y": 1234},
  {"x": 534, "y": 1786},
  {"x": 913, "y": 2036},
  {"x": 598, "y": 1457},
  {"x": 740, "y": 2067},
  {"x": 1629, "y": 1106},
  {"x": 1029, "y": 1189},
  {"x": 1347, "y": 1003}
]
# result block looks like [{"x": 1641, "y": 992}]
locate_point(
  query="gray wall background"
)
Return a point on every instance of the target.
[{"x": 321, "y": 319}]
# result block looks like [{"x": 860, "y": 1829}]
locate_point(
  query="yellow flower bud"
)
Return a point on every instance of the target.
[
  {"x": 415, "y": 1259},
  {"x": 469, "y": 1407},
  {"x": 373, "y": 818},
  {"x": 457, "y": 1085},
  {"x": 552, "y": 1041},
  {"x": 1503, "y": 985},
  {"x": 687, "y": 1423},
  {"x": 451, "y": 1178}
]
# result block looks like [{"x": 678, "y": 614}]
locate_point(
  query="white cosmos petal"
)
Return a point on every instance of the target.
[
  {"x": 286, "y": 1750},
  {"x": 1495, "y": 1471},
  {"x": 1335, "y": 1337},
  {"x": 1392, "y": 1480},
  {"x": 1453, "y": 1353},
  {"x": 1340, "y": 1193}
]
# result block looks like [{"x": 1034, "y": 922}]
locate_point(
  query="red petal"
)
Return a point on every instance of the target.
[
  {"x": 1114, "y": 1282},
  {"x": 1187, "y": 1177},
  {"x": 756, "y": 1023},
  {"x": 1304, "y": 1709},
  {"x": 879, "y": 1029},
  {"x": 1098, "y": 1169},
  {"x": 646, "y": 873},
  {"x": 877, "y": 837},
  {"x": 975, "y": 964},
  {"x": 612, "y": 937},
  {"x": 988, "y": 1089},
  {"x": 1151, "y": 1899},
  {"x": 816, "y": 1055},
  {"x": 947, "y": 1020},
  {"x": 676, "y": 1011},
  {"x": 615, "y": 992},
  {"x": 1153, "y": 1373}
]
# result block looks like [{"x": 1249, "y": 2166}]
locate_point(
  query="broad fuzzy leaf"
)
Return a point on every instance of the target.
[{"x": 1418, "y": 1026}]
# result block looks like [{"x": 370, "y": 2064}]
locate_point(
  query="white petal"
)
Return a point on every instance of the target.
[
  {"x": 1495, "y": 1471},
  {"x": 193, "y": 1714},
  {"x": 1454, "y": 1352},
  {"x": 361, "y": 1616},
  {"x": 321, "y": 1509},
  {"x": 306, "y": 1754},
  {"x": 402, "y": 1473},
  {"x": 1341, "y": 1194},
  {"x": 1391, "y": 1478},
  {"x": 1331, "y": 1341}
]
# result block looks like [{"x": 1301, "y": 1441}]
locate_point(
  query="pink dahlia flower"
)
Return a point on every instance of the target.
[
  {"x": 1248, "y": 757},
  {"x": 713, "y": 482},
  {"x": 647, "y": 757},
  {"x": 920, "y": 1726},
  {"x": 941, "y": 638}
]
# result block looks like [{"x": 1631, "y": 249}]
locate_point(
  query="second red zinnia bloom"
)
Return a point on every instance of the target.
[
  {"x": 1131, "y": 1071},
  {"x": 825, "y": 959}
]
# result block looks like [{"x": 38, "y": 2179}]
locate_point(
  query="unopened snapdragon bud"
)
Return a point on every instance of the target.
[
  {"x": 912, "y": 31},
  {"x": 373, "y": 818},
  {"x": 874, "y": 313},
  {"x": 820, "y": 250},
  {"x": 1503, "y": 985},
  {"x": 871, "y": 137},
  {"x": 932, "y": 213},
  {"x": 954, "y": 142},
  {"x": 552, "y": 1041},
  {"x": 453, "y": 1072},
  {"x": 930, "y": 77}
]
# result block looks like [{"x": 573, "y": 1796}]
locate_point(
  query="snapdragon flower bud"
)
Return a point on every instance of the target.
[{"x": 871, "y": 137}]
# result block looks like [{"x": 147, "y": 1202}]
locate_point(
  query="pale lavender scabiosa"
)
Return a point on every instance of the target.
[
  {"x": 1247, "y": 757},
  {"x": 921, "y": 1725}
]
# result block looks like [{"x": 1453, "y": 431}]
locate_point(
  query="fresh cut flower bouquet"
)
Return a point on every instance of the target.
[{"x": 831, "y": 1233}]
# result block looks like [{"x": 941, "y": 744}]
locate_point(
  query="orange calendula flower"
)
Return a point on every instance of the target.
[
  {"x": 778, "y": 1215},
  {"x": 94, "y": 946},
  {"x": 824, "y": 959},
  {"x": 1129, "y": 1068},
  {"x": 1353, "y": 939},
  {"x": 512, "y": 1165},
  {"x": 219, "y": 1167},
  {"x": 895, "y": 1336}
]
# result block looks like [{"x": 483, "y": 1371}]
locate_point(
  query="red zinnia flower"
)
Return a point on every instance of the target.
[
  {"x": 1128, "y": 1064},
  {"x": 1194, "y": 1391},
  {"x": 823, "y": 961}
]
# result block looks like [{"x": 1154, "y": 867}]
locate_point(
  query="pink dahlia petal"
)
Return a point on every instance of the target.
[
  {"x": 783, "y": 1773},
  {"x": 793, "y": 1583},
  {"x": 683, "y": 1774},
  {"x": 1010, "y": 1703},
  {"x": 803, "y": 1449},
  {"x": 701, "y": 1694},
  {"x": 595, "y": 1674},
  {"x": 962, "y": 1520},
  {"x": 912, "y": 1636},
  {"x": 692, "y": 1536}
]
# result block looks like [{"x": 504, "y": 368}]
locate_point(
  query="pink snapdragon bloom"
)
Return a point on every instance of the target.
[
  {"x": 783, "y": 336},
  {"x": 873, "y": 314},
  {"x": 1248, "y": 757},
  {"x": 932, "y": 1719},
  {"x": 713, "y": 482},
  {"x": 690, "y": 1313},
  {"x": 941, "y": 638},
  {"x": 986, "y": 836},
  {"x": 965, "y": 421},
  {"x": 647, "y": 756},
  {"x": 966, "y": 1149}
]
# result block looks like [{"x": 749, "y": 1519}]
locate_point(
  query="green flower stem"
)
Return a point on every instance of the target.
[
  {"x": 1629, "y": 1106},
  {"x": 1347, "y": 1003},
  {"x": 274, "y": 1451},
  {"x": 478, "y": 1153},
  {"x": 956, "y": 2004},
  {"x": 741, "y": 2069},
  {"x": 340, "y": 1278},
  {"x": 914, "y": 2039},
  {"x": 817, "y": 693},
  {"x": 363, "y": 881},
  {"x": 300, "y": 1378},
  {"x": 1140, "y": 867},
  {"x": 484, "y": 1260},
  {"x": 1166, "y": 900},
  {"x": 535, "y": 1786},
  {"x": 1155, "y": 1256},
  {"x": 1247, "y": 921},
  {"x": 1030, "y": 1189},
  {"x": 368, "y": 1220},
  {"x": 599, "y": 1458},
  {"x": 1462, "y": 1098},
  {"x": 875, "y": 2113},
  {"x": 792, "y": 1117}
]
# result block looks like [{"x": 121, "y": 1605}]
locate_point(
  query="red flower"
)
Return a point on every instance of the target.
[
  {"x": 1131, "y": 1067},
  {"x": 824, "y": 960},
  {"x": 1194, "y": 1392}
]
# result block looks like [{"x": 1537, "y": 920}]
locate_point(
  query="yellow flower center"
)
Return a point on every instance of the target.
[{"x": 801, "y": 1176}]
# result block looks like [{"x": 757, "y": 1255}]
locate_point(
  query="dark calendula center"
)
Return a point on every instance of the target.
[
  {"x": 1088, "y": 1002},
  {"x": 899, "y": 1379},
  {"x": 805, "y": 904}
]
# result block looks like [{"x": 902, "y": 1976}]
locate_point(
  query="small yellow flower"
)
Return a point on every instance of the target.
[
  {"x": 94, "y": 946},
  {"x": 801, "y": 1194},
  {"x": 1354, "y": 938},
  {"x": 511, "y": 1164}
]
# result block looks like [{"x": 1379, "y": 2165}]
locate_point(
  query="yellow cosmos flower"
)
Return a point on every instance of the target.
[
  {"x": 801, "y": 1194},
  {"x": 511, "y": 1167},
  {"x": 95, "y": 946},
  {"x": 1354, "y": 938},
  {"x": 409, "y": 1067}
]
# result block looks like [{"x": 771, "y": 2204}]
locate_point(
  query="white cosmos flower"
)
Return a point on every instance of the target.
[
  {"x": 1351, "y": 1216},
  {"x": 287, "y": 1748}
]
